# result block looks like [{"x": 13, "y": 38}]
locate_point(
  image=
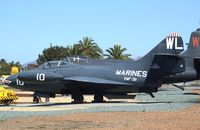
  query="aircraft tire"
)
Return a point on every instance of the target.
[
  {"x": 77, "y": 98},
  {"x": 98, "y": 98},
  {"x": 36, "y": 100}
]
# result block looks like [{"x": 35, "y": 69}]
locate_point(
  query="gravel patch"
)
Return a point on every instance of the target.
[{"x": 166, "y": 100}]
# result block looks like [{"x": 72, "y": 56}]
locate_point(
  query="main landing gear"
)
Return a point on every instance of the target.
[
  {"x": 78, "y": 98},
  {"x": 98, "y": 98}
]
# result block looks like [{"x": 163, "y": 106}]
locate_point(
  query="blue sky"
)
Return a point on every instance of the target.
[{"x": 27, "y": 27}]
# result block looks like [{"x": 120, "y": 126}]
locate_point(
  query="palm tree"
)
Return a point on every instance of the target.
[
  {"x": 117, "y": 53},
  {"x": 52, "y": 53},
  {"x": 90, "y": 49},
  {"x": 74, "y": 50},
  {"x": 3, "y": 61}
]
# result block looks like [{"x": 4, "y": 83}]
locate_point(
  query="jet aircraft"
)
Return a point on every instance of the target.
[
  {"x": 191, "y": 57},
  {"x": 192, "y": 62},
  {"x": 144, "y": 75}
]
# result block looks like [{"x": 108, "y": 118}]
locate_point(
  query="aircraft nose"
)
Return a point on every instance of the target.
[
  {"x": 10, "y": 79},
  {"x": 38, "y": 76}
]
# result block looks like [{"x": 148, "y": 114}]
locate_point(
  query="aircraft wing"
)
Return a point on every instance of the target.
[{"x": 93, "y": 80}]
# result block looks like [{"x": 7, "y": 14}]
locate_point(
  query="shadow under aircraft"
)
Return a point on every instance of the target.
[{"x": 144, "y": 75}]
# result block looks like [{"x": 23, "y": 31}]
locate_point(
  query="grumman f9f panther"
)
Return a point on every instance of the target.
[
  {"x": 119, "y": 79},
  {"x": 191, "y": 57},
  {"x": 192, "y": 62}
]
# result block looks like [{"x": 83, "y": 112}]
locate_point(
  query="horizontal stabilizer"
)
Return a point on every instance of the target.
[
  {"x": 169, "y": 63},
  {"x": 165, "y": 65}
]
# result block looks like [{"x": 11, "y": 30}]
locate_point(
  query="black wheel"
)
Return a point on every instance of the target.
[
  {"x": 8, "y": 102},
  {"x": 36, "y": 100},
  {"x": 77, "y": 98},
  {"x": 98, "y": 98}
]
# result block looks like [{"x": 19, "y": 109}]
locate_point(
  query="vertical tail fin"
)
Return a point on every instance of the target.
[
  {"x": 193, "y": 50},
  {"x": 165, "y": 59},
  {"x": 165, "y": 56},
  {"x": 172, "y": 44}
]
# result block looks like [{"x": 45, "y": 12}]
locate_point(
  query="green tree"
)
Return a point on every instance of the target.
[
  {"x": 117, "y": 52},
  {"x": 3, "y": 61},
  {"x": 74, "y": 49},
  {"x": 52, "y": 53},
  {"x": 90, "y": 49},
  {"x": 5, "y": 67}
]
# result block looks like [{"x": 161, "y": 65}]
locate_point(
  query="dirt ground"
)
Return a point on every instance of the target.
[{"x": 186, "y": 119}]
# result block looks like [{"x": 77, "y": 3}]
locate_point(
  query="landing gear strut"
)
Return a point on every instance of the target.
[{"x": 36, "y": 99}]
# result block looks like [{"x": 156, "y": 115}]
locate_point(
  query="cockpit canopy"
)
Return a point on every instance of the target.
[
  {"x": 52, "y": 64},
  {"x": 64, "y": 62}
]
